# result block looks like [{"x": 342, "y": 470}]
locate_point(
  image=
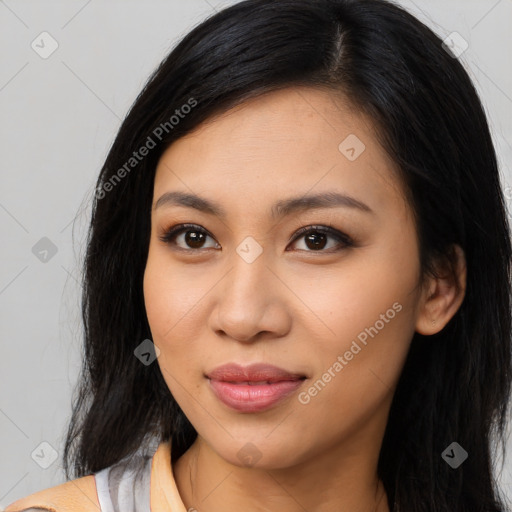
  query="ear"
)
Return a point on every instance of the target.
[{"x": 442, "y": 295}]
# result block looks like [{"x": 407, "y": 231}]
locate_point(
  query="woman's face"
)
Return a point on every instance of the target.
[{"x": 335, "y": 310}]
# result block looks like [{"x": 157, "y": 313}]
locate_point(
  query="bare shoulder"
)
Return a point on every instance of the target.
[{"x": 78, "y": 494}]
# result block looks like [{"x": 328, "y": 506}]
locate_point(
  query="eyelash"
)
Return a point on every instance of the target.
[{"x": 345, "y": 241}]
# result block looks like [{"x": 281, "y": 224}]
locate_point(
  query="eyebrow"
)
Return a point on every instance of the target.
[{"x": 280, "y": 209}]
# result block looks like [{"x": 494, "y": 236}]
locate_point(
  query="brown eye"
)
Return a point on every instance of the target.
[
  {"x": 316, "y": 241},
  {"x": 188, "y": 237},
  {"x": 194, "y": 239},
  {"x": 316, "y": 238}
]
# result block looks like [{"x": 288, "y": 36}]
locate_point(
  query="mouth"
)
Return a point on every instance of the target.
[
  {"x": 257, "y": 383},
  {"x": 254, "y": 388}
]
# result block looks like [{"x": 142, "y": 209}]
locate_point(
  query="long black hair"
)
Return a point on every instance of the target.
[{"x": 455, "y": 385}]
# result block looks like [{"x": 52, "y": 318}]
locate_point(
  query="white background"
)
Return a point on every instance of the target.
[{"x": 59, "y": 117}]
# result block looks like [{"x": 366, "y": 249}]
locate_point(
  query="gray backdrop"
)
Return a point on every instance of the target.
[{"x": 70, "y": 70}]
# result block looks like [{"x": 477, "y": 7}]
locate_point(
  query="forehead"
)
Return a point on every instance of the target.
[{"x": 284, "y": 143}]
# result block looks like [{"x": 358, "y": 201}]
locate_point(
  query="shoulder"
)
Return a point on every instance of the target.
[
  {"x": 126, "y": 485},
  {"x": 78, "y": 494}
]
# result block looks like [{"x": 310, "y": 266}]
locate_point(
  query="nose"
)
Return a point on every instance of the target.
[{"x": 250, "y": 303}]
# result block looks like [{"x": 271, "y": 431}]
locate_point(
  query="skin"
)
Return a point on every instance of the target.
[{"x": 294, "y": 306}]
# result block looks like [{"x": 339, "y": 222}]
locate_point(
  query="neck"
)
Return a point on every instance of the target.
[{"x": 338, "y": 479}]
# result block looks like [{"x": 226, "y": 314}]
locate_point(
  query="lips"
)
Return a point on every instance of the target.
[
  {"x": 253, "y": 388},
  {"x": 254, "y": 373}
]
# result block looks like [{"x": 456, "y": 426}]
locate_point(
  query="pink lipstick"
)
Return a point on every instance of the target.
[{"x": 253, "y": 388}]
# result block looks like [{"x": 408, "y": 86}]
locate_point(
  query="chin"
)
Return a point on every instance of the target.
[{"x": 257, "y": 452}]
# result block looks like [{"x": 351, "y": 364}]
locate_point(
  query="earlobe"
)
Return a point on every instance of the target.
[{"x": 443, "y": 294}]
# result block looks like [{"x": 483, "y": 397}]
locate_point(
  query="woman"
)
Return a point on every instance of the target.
[{"x": 296, "y": 291}]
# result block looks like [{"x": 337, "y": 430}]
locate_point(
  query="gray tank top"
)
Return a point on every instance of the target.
[{"x": 125, "y": 486}]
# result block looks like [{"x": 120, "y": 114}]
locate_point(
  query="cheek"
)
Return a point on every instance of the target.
[
  {"x": 171, "y": 301},
  {"x": 369, "y": 307},
  {"x": 171, "y": 298},
  {"x": 357, "y": 368},
  {"x": 353, "y": 296},
  {"x": 370, "y": 328}
]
